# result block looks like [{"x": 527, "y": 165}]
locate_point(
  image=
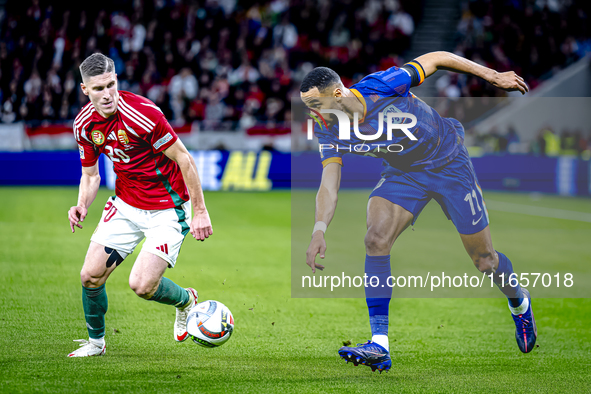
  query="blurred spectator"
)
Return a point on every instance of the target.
[
  {"x": 183, "y": 88},
  {"x": 402, "y": 25},
  {"x": 549, "y": 143},
  {"x": 8, "y": 115},
  {"x": 512, "y": 140},
  {"x": 582, "y": 143},
  {"x": 215, "y": 109},
  {"x": 33, "y": 85},
  {"x": 245, "y": 73},
  {"x": 568, "y": 143},
  {"x": 285, "y": 33}
]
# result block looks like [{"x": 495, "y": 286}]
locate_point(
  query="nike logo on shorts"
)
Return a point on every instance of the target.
[{"x": 475, "y": 222}]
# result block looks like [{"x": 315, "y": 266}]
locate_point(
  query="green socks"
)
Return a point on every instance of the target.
[
  {"x": 170, "y": 293},
  {"x": 95, "y": 305}
]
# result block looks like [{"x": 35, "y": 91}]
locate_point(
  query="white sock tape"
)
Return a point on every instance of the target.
[
  {"x": 320, "y": 226},
  {"x": 521, "y": 308}
]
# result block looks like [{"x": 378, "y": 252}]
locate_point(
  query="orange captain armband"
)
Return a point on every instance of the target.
[
  {"x": 416, "y": 71},
  {"x": 337, "y": 160}
]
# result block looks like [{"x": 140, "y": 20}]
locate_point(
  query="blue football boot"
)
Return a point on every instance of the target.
[
  {"x": 370, "y": 354},
  {"x": 526, "y": 331}
]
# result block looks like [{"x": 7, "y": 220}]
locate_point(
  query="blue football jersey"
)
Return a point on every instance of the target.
[{"x": 438, "y": 139}]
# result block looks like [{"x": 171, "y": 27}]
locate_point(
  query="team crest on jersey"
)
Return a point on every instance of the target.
[
  {"x": 123, "y": 137},
  {"x": 392, "y": 109},
  {"x": 98, "y": 137}
]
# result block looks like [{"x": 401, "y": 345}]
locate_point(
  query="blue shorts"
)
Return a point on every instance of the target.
[{"x": 454, "y": 186}]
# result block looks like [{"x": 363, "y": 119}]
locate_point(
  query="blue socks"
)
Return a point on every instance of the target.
[
  {"x": 501, "y": 279},
  {"x": 378, "y": 298}
]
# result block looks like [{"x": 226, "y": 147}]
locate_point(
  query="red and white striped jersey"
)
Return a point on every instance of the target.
[{"x": 133, "y": 138}]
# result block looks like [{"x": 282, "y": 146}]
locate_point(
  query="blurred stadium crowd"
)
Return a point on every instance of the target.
[
  {"x": 231, "y": 65},
  {"x": 533, "y": 38},
  {"x": 548, "y": 142}
]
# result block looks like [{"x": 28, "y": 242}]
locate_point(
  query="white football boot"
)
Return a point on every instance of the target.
[
  {"x": 88, "y": 349},
  {"x": 180, "y": 323}
]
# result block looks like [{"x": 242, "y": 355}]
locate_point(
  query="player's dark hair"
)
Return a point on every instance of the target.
[
  {"x": 321, "y": 78},
  {"x": 96, "y": 64}
]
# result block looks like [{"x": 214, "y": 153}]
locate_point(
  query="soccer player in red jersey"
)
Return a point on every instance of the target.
[{"x": 157, "y": 184}]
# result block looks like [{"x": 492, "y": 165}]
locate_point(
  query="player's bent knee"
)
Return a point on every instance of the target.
[
  {"x": 88, "y": 280},
  {"x": 143, "y": 289},
  {"x": 376, "y": 243},
  {"x": 145, "y": 292},
  {"x": 484, "y": 262}
]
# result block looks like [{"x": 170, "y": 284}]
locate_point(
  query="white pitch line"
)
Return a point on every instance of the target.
[{"x": 553, "y": 213}]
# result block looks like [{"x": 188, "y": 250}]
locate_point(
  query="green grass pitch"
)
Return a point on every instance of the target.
[{"x": 281, "y": 344}]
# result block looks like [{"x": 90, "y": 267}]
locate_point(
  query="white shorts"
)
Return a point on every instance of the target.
[{"x": 122, "y": 227}]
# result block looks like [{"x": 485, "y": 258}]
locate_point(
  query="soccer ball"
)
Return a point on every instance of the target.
[{"x": 210, "y": 324}]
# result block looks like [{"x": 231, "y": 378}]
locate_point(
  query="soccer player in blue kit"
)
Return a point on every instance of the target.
[{"x": 436, "y": 165}]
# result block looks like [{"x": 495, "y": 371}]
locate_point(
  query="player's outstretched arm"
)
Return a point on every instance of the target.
[
  {"x": 200, "y": 227},
  {"x": 89, "y": 185},
  {"x": 326, "y": 204},
  {"x": 434, "y": 61}
]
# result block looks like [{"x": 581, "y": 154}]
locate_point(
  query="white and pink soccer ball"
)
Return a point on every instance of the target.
[{"x": 210, "y": 323}]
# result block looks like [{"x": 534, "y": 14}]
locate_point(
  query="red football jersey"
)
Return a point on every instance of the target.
[{"x": 133, "y": 138}]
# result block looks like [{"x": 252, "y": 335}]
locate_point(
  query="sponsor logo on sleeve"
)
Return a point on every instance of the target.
[
  {"x": 162, "y": 141},
  {"x": 81, "y": 150},
  {"x": 98, "y": 137}
]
